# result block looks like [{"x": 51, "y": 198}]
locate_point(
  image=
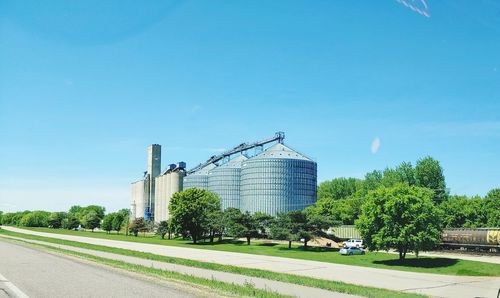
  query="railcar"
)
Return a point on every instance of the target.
[{"x": 471, "y": 239}]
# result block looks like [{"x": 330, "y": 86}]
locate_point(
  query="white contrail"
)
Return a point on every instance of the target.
[{"x": 423, "y": 9}]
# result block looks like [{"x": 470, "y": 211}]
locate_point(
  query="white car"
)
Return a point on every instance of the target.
[
  {"x": 353, "y": 243},
  {"x": 349, "y": 251}
]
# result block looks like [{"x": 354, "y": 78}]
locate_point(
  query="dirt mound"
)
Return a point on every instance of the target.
[{"x": 323, "y": 242}]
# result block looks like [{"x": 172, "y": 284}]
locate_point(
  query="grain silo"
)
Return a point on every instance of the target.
[
  {"x": 278, "y": 180},
  {"x": 199, "y": 178},
  {"x": 167, "y": 184},
  {"x": 161, "y": 193},
  {"x": 224, "y": 180},
  {"x": 140, "y": 197},
  {"x": 176, "y": 185}
]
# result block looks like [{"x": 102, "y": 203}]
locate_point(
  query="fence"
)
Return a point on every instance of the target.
[{"x": 345, "y": 232}]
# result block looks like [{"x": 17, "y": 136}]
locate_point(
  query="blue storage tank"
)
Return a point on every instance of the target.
[
  {"x": 278, "y": 180},
  {"x": 198, "y": 179},
  {"x": 224, "y": 180}
]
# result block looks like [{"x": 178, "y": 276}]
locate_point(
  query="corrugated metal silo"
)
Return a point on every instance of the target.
[
  {"x": 278, "y": 180},
  {"x": 224, "y": 180},
  {"x": 198, "y": 179}
]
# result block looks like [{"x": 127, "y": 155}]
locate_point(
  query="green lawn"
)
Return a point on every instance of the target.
[
  {"x": 371, "y": 259},
  {"x": 334, "y": 286}
]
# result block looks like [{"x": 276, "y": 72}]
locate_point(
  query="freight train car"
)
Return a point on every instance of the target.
[{"x": 471, "y": 239}]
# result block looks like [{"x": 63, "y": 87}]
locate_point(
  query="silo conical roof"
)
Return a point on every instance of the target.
[
  {"x": 204, "y": 170},
  {"x": 234, "y": 163},
  {"x": 281, "y": 151}
]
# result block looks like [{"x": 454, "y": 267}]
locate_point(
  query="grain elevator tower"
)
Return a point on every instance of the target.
[{"x": 154, "y": 169}]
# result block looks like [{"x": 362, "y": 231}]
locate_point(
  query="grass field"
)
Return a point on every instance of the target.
[
  {"x": 289, "y": 278},
  {"x": 371, "y": 259}
]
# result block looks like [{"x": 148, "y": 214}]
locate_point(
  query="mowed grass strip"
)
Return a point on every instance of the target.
[
  {"x": 334, "y": 286},
  {"x": 448, "y": 266},
  {"x": 218, "y": 287}
]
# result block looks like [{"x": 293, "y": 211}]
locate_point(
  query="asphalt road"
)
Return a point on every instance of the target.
[
  {"x": 425, "y": 283},
  {"x": 29, "y": 272},
  {"x": 238, "y": 279}
]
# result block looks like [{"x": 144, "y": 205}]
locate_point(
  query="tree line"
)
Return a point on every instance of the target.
[
  {"x": 403, "y": 208},
  {"x": 342, "y": 198},
  {"x": 89, "y": 217}
]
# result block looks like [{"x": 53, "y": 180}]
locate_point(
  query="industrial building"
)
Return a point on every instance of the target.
[
  {"x": 151, "y": 195},
  {"x": 265, "y": 176}
]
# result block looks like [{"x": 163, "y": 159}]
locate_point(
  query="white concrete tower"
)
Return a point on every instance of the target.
[{"x": 154, "y": 168}]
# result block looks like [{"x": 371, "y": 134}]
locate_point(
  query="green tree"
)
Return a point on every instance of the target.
[
  {"x": 126, "y": 219},
  {"x": 407, "y": 173},
  {"x": 71, "y": 222},
  {"x": 190, "y": 209},
  {"x": 107, "y": 222},
  {"x": 18, "y": 216},
  {"x": 81, "y": 212},
  {"x": 402, "y": 217},
  {"x": 344, "y": 211},
  {"x": 300, "y": 225},
  {"x": 299, "y": 228},
  {"x": 163, "y": 229},
  {"x": 138, "y": 225},
  {"x": 118, "y": 220},
  {"x": 349, "y": 210},
  {"x": 242, "y": 225},
  {"x": 7, "y": 218},
  {"x": 99, "y": 210},
  {"x": 491, "y": 207},
  {"x": 283, "y": 229},
  {"x": 339, "y": 200},
  {"x": 404, "y": 173},
  {"x": 215, "y": 224},
  {"x": 429, "y": 174},
  {"x": 75, "y": 210},
  {"x": 13, "y": 218},
  {"x": 262, "y": 222},
  {"x": 1, "y": 216},
  {"x": 229, "y": 216},
  {"x": 463, "y": 212},
  {"x": 35, "y": 219},
  {"x": 338, "y": 188},
  {"x": 373, "y": 180},
  {"x": 56, "y": 219},
  {"x": 91, "y": 220},
  {"x": 315, "y": 225}
]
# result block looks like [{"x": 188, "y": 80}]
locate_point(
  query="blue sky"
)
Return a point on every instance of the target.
[{"x": 85, "y": 86}]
